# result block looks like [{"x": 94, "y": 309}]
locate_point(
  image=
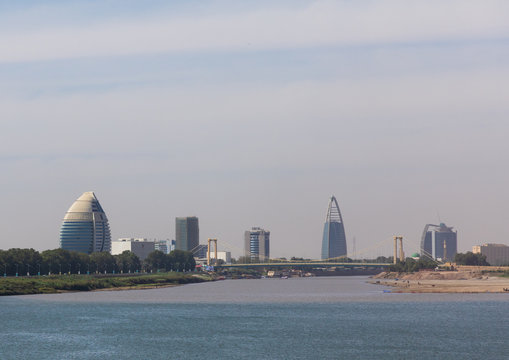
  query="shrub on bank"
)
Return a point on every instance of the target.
[{"x": 58, "y": 283}]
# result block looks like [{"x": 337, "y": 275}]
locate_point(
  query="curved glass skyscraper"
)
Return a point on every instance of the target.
[
  {"x": 85, "y": 227},
  {"x": 446, "y": 242},
  {"x": 334, "y": 239}
]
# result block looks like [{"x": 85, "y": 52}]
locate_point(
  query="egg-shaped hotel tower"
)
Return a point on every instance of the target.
[
  {"x": 85, "y": 227},
  {"x": 334, "y": 238}
]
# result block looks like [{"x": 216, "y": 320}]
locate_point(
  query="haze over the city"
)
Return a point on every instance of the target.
[{"x": 254, "y": 114}]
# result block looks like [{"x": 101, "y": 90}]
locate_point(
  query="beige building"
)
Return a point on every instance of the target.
[{"x": 496, "y": 254}]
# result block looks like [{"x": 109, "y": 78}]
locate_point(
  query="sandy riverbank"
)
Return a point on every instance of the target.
[{"x": 443, "y": 282}]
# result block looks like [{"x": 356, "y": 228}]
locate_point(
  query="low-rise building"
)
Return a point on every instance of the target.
[
  {"x": 201, "y": 255},
  {"x": 139, "y": 246},
  {"x": 226, "y": 256},
  {"x": 496, "y": 254},
  {"x": 166, "y": 246}
]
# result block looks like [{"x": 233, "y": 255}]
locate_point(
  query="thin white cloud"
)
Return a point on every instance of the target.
[
  {"x": 291, "y": 116},
  {"x": 320, "y": 24}
]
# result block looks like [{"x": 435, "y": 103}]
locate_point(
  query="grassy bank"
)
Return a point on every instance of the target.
[{"x": 62, "y": 283}]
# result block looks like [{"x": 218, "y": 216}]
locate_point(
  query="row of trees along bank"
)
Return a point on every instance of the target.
[
  {"x": 411, "y": 265},
  {"x": 30, "y": 262}
]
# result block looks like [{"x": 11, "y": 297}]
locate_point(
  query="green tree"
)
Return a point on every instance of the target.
[
  {"x": 244, "y": 260},
  {"x": 56, "y": 261},
  {"x": 411, "y": 265},
  {"x": 190, "y": 262},
  {"x": 383, "y": 259},
  {"x": 156, "y": 260},
  {"x": 22, "y": 261},
  {"x": 470, "y": 258},
  {"x": 103, "y": 262},
  {"x": 180, "y": 260},
  {"x": 80, "y": 262},
  {"x": 128, "y": 262}
]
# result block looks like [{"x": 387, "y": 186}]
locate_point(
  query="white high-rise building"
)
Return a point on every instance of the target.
[{"x": 257, "y": 244}]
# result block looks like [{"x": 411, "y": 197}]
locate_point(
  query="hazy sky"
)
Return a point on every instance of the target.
[{"x": 254, "y": 113}]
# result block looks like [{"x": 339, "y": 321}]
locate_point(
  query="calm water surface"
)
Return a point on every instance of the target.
[{"x": 308, "y": 318}]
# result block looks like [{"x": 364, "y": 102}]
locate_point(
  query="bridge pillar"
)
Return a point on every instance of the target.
[
  {"x": 209, "y": 242},
  {"x": 395, "y": 256},
  {"x": 401, "y": 252}
]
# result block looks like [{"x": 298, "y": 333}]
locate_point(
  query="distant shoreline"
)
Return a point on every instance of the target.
[
  {"x": 467, "y": 282},
  {"x": 76, "y": 283}
]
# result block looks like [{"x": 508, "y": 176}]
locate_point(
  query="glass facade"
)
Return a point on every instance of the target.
[
  {"x": 428, "y": 243},
  {"x": 334, "y": 238},
  {"x": 439, "y": 242},
  {"x": 254, "y": 245},
  {"x": 257, "y": 244},
  {"x": 85, "y": 227},
  {"x": 446, "y": 245},
  {"x": 187, "y": 233}
]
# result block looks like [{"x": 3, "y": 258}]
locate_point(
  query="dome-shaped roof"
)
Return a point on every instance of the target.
[
  {"x": 84, "y": 207},
  {"x": 85, "y": 227}
]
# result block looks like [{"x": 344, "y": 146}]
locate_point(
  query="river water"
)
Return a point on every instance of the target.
[{"x": 302, "y": 318}]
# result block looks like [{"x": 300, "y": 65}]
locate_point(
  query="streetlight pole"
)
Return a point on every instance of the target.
[
  {"x": 69, "y": 269},
  {"x": 28, "y": 269},
  {"x": 60, "y": 269},
  {"x": 79, "y": 268}
]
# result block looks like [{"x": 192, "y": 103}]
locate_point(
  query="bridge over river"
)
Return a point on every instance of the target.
[{"x": 312, "y": 264}]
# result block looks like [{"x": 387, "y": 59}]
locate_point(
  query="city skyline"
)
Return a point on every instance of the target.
[
  {"x": 333, "y": 242},
  {"x": 398, "y": 108}
]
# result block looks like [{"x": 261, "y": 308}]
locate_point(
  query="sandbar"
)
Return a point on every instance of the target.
[{"x": 443, "y": 282}]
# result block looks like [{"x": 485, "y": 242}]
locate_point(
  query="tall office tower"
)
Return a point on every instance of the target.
[
  {"x": 186, "y": 233},
  {"x": 444, "y": 239},
  {"x": 257, "y": 244},
  {"x": 85, "y": 227},
  {"x": 334, "y": 238}
]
